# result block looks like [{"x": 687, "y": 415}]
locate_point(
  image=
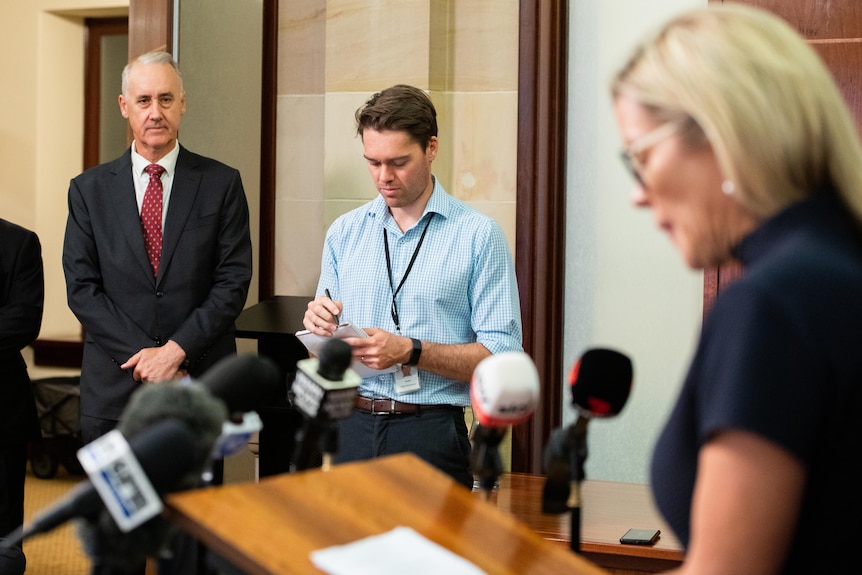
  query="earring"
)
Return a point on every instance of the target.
[{"x": 727, "y": 187}]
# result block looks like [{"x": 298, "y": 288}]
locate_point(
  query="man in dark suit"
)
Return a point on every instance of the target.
[
  {"x": 157, "y": 256},
  {"x": 150, "y": 320},
  {"x": 22, "y": 291}
]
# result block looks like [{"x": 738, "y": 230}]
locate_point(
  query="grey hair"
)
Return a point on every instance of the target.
[{"x": 158, "y": 57}]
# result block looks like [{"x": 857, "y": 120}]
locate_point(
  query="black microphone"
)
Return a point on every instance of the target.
[
  {"x": 243, "y": 382},
  {"x": 223, "y": 394},
  {"x": 203, "y": 406},
  {"x": 600, "y": 382},
  {"x": 323, "y": 391},
  {"x": 202, "y": 413},
  {"x": 102, "y": 537},
  {"x": 504, "y": 391},
  {"x": 165, "y": 452}
]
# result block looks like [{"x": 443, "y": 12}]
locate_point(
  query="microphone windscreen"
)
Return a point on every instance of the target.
[
  {"x": 167, "y": 452},
  {"x": 202, "y": 413},
  {"x": 163, "y": 452},
  {"x": 601, "y": 381},
  {"x": 504, "y": 389},
  {"x": 242, "y": 381},
  {"x": 335, "y": 357}
]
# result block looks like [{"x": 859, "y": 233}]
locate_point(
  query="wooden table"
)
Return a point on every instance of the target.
[
  {"x": 608, "y": 509},
  {"x": 271, "y": 527}
]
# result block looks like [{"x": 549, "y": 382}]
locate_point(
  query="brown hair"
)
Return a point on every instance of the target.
[{"x": 399, "y": 108}]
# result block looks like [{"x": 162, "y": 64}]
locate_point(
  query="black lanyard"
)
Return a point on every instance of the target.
[{"x": 394, "y": 309}]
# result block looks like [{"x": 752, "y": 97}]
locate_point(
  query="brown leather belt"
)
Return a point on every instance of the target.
[{"x": 392, "y": 407}]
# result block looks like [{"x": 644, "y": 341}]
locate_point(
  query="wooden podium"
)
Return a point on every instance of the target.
[{"x": 271, "y": 527}]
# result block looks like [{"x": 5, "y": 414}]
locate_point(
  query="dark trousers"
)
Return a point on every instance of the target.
[
  {"x": 13, "y": 467},
  {"x": 439, "y": 437}
]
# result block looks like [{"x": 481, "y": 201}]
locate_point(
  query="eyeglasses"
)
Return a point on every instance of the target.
[{"x": 645, "y": 142}]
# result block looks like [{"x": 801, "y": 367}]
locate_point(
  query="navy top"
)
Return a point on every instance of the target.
[{"x": 780, "y": 355}]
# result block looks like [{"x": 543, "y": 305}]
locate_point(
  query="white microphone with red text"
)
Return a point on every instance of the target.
[{"x": 504, "y": 391}]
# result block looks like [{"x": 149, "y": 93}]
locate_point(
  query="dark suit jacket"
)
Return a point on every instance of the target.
[
  {"x": 22, "y": 291},
  {"x": 203, "y": 280}
]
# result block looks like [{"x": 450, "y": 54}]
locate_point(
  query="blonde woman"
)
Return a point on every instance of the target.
[{"x": 742, "y": 147}]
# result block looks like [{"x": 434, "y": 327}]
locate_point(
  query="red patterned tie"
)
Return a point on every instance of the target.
[{"x": 151, "y": 216}]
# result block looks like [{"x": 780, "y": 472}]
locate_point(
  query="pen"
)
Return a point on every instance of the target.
[{"x": 329, "y": 295}]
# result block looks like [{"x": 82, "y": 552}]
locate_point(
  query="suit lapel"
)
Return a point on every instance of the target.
[
  {"x": 125, "y": 207},
  {"x": 183, "y": 193}
]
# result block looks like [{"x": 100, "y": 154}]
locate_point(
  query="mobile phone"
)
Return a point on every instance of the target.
[{"x": 641, "y": 536}]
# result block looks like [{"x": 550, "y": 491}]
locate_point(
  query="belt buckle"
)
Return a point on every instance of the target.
[
  {"x": 391, "y": 411},
  {"x": 374, "y": 410}
]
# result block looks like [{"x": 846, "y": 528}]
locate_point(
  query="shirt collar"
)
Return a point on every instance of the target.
[
  {"x": 168, "y": 161},
  {"x": 821, "y": 211},
  {"x": 438, "y": 203}
]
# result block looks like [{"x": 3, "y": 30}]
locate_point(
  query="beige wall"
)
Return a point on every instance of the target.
[
  {"x": 625, "y": 286},
  {"x": 333, "y": 54},
  {"x": 42, "y": 60},
  {"x": 219, "y": 49}
]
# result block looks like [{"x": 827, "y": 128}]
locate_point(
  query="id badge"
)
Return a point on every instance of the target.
[{"x": 406, "y": 379}]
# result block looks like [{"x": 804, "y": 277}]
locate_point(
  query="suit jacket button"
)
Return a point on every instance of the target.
[{"x": 159, "y": 294}]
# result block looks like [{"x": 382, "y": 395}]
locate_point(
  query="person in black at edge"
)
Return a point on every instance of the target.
[{"x": 22, "y": 291}]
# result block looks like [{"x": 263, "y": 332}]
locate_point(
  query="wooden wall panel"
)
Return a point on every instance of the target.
[
  {"x": 150, "y": 26},
  {"x": 845, "y": 61},
  {"x": 818, "y": 19},
  {"x": 540, "y": 256}
]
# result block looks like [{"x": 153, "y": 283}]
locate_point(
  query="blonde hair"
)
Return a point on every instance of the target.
[{"x": 762, "y": 98}]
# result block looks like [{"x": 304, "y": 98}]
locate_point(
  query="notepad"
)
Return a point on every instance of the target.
[
  {"x": 314, "y": 343},
  {"x": 401, "y": 550}
]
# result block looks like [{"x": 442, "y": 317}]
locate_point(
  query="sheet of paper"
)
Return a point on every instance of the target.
[
  {"x": 313, "y": 343},
  {"x": 396, "y": 552}
]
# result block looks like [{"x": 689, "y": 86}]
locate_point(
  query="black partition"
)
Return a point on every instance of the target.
[{"x": 273, "y": 324}]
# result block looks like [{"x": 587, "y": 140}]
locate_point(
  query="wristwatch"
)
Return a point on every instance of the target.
[{"x": 417, "y": 351}]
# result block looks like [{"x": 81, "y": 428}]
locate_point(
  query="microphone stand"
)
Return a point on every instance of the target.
[
  {"x": 329, "y": 444},
  {"x": 576, "y": 443},
  {"x": 487, "y": 465},
  {"x": 313, "y": 432},
  {"x": 306, "y": 439}
]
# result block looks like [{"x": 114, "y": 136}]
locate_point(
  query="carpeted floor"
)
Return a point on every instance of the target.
[{"x": 57, "y": 552}]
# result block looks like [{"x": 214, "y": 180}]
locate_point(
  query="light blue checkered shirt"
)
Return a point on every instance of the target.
[{"x": 462, "y": 288}]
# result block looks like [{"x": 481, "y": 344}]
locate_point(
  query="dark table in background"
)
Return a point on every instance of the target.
[{"x": 273, "y": 324}]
